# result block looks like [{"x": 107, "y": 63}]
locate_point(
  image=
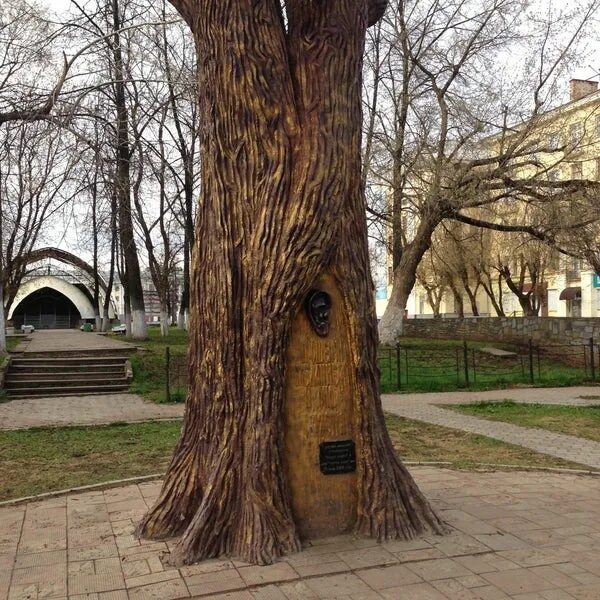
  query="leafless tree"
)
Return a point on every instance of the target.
[{"x": 441, "y": 95}]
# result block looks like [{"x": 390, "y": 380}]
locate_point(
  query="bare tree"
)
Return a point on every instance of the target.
[
  {"x": 438, "y": 103},
  {"x": 36, "y": 185}
]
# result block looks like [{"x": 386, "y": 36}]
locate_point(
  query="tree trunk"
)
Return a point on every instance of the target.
[
  {"x": 185, "y": 289},
  {"x": 405, "y": 275},
  {"x": 164, "y": 320},
  {"x": 123, "y": 183},
  {"x": 2, "y": 317},
  {"x": 282, "y": 211},
  {"x": 472, "y": 300}
]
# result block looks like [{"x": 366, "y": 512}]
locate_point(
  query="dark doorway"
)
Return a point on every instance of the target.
[{"x": 46, "y": 309}]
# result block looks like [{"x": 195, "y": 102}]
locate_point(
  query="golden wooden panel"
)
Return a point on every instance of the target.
[{"x": 319, "y": 408}]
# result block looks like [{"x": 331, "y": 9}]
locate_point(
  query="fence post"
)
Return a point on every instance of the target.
[
  {"x": 457, "y": 367},
  {"x": 531, "y": 377},
  {"x": 592, "y": 363},
  {"x": 466, "y": 361},
  {"x": 398, "y": 378},
  {"x": 167, "y": 373}
]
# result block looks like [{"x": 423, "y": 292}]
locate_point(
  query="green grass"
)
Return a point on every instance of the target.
[
  {"x": 40, "y": 460},
  {"x": 427, "y": 365},
  {"x": 580, "y": 421},
  {"x": 11, "y": 344},
  {"x": 417, "y": 441},
  {"x": 44, "y": 459},
  {"x": 149, "y": 365}
]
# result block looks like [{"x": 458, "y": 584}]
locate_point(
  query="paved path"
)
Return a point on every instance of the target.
[
  {"x": 22, "y": 413},
  {"x": 61, "y": 340},
  {"x": 421, "y": 407},
  {"x": 583, "y": 395},
  {"x": 102, "y": 409},
  {"x": 520, "y": 536}
]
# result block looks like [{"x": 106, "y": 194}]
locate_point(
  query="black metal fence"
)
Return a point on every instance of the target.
[
  {"x": 440, "y": 367},
  {"x": 176, "y": 376},
  {"x": 423, "y": 367}
]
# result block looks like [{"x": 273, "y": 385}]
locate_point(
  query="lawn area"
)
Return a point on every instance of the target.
[
  {"x": 11, "y": 344},
  {"x": 418, "y": 441},
  {"x": 46, "y": 459},
  {"x": 425, "y": 365},
  {"x": 149, "y": 365},
  {"x": 580, "y": 421}
]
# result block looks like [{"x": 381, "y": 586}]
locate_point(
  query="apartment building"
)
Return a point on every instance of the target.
[{"x": 566, "y": 144}]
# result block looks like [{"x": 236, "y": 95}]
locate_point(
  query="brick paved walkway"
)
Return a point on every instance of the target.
[
  {"x": 61, "y": 340},
  {"x": 23, "y": 413},
  {"x": 421, "y": 408},
  {"x": 523, "y": 536}
]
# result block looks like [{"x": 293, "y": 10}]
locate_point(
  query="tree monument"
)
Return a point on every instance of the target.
[{"x": 284, "y": 435}]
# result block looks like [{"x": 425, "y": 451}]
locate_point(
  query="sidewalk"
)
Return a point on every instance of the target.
[
  {"x": 521, "y": 536},
  {"x": 101, "y": 409},
  {"x": 421, "y": 407},
  {"x": 68, "y": 340}
]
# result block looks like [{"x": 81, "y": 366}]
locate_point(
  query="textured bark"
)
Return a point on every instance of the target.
[
  {"x": 405, "y": 276},
  {"x": 123, "y": 185},
  {"x": 282, "y": 207}
]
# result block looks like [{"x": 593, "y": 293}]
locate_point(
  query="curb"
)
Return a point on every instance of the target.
[
  {"x": 153, "y": 477},
  {"x": 492, "y": 466},
  {"x": 83, "y": 488}
]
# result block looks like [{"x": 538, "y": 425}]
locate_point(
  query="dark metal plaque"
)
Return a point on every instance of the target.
[{"x": 337, "y": 457}]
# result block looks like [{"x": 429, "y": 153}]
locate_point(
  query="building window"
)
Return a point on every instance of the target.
[
  {"x": 552, "y": 300},
  {"x": 575, "y": 264},
  {"x": 554, "y": 141},
  {"x": 575, "y": 133},
  {"x": 576, "y": 170},
  {"x": 598, "y": 125}
]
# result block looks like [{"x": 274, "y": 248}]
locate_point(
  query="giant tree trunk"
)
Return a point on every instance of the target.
[{"x": 282, "y": 210}]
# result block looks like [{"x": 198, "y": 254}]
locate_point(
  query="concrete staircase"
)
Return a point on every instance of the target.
[{"x": 65, "y": 374}]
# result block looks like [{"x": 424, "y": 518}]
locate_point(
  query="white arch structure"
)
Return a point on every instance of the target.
[{"x": 72, "y": 292}]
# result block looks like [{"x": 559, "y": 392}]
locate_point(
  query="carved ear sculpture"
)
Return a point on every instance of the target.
[{"x": 317, "y": 306}]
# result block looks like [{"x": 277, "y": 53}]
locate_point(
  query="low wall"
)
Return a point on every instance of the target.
[{"x": 542, "y": 330}]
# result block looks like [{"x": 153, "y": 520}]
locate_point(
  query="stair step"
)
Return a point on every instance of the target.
[
  {"x": 40, "y": 374},
  {"x": 70, "y": 391},
  {"x": 70, "y": 383},
  {"x": 68, "y": 360},
  {"x": 60, "y": 369}
]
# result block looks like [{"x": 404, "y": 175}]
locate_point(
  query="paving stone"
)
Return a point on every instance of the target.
[
  {"x": 558, "y": 559},
  {"x": 270, "y": 574},
  {"x": 416, "y": 591},
  {"x": 387, "y": 577},
  {"x": 268, "y": 592},
  {"x": 367, "y": 557},
  {"x": 442, "y": 568},
  {"x": 163, "y": 590},
  {"x": 40, "y": 559},
  {"x": 334, "y": 586},
  {"x": 105, "y": 582},
  {"x": 518, "y": 581}
]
